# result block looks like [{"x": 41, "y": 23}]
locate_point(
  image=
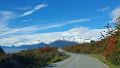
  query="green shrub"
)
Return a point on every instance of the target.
[
  {"x": 38, "y": 57},
  {"x": 115, "y": 57}
]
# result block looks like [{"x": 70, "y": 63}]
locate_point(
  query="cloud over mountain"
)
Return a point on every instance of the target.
[{"x": 73, "y": 34}]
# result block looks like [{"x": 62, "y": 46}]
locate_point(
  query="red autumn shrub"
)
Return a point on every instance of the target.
[
  {"x": 45, "y": 49},
  {"x": 111, "y": 45}
]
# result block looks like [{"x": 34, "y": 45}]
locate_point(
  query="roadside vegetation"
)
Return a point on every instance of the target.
[
  {"x": 107, "y": 49},
  {"x": 102, "y": 59},
  {"x": 34, "y": 58}
]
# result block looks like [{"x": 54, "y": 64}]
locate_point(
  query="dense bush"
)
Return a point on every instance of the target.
[
  {"x": 2, "y": 55},
  {"x": 1, "y": 52},
  {"x": 89, "y": 48},
  {"x": 115, "y": 57},
  {"x": 113, "y": 49},
  {"x": 34, "y": 58},
  {"x": 38, "y": 57}
]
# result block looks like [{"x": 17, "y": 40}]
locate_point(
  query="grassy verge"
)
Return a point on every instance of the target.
[
  {"x": 102, "y": 59},
  {"x": 57, "y": 59}
]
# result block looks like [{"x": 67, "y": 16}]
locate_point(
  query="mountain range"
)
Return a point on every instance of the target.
[{"x": 57, "y": 43}]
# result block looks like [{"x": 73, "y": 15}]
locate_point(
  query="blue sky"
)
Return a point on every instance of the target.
[{"x": 36, "y": 17}]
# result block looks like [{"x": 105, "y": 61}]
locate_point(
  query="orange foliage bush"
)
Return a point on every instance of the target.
[
  {"x": 111, "y": 46},
  {"x": 46, "y": 49}
]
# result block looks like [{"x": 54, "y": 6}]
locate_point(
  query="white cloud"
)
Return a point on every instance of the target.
[
  {"x": 36, "y": 8},
  {"x": 31, "y": 29},
  {"x": 103, "y": 9},
  {"x": 24, "y": 30},
  {"x": 115, "y": 13},
  {"x": 19, "y": 36},
  {"x": 71, "y": 35},
  {"x": 64, "y": 23},
  {"x": 5, "y": 16},
  {"x": 24, "y": 8},
  {"x": 79, "y": 20},
  {"x": 26, "y": 20},
  {"x": 24, "y": 35}
]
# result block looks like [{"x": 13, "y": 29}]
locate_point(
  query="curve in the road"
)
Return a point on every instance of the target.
[{"x": 78, "y": 61}]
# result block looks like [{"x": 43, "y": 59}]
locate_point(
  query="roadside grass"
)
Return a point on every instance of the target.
[
  {"x": 57, "y": 59},
  {"x": 102, "y": 59}
]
